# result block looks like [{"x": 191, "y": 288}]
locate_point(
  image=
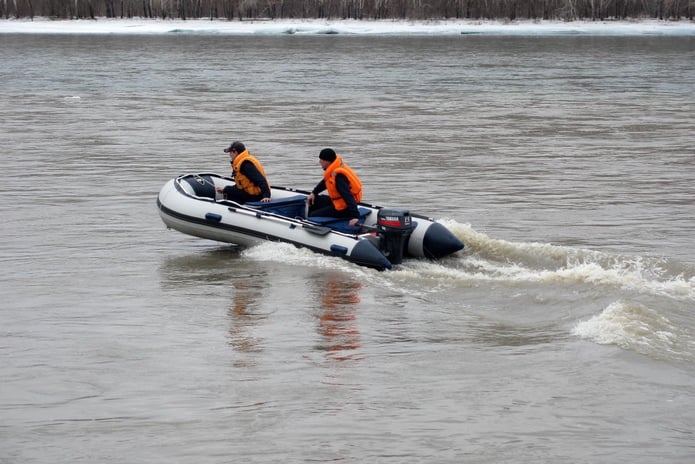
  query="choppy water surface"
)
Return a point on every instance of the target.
[{"x": 564, "y": 331}]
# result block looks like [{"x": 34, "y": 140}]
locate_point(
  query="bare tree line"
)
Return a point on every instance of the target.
[{"x": 351, "y": 9}]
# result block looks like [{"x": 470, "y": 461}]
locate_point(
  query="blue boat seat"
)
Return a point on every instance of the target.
[
  {"x": 288, "y": 207},
  {"x": 341, "y": 224}
]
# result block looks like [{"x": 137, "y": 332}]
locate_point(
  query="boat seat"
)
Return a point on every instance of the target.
[
  {"x": 341, "y": 224},
  {"x": 288, "y": 207}
]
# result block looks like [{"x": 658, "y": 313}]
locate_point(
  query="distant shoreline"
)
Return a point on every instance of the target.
[{"x": 344, "y": 27}]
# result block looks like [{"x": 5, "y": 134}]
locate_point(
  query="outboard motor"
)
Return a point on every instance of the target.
[{"x": 394, "y": 226}]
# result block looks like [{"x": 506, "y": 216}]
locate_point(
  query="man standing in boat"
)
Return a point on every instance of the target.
[
  {"x": 343, "y": 186},
  {"x": 251, "y": 183}
]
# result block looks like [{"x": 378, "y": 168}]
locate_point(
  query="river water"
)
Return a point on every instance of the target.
[{"x": 565, "y": 331}]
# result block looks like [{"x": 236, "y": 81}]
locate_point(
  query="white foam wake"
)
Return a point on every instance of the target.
[
  {"x": 488, "y": 259},
  {"x": 633, "y": 326},
  {"x": 491, "y": 260}
]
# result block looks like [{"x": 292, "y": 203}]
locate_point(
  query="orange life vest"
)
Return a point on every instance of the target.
[
  {"x": 335, "y": 168},
  {"x": 243, "y": 182}
]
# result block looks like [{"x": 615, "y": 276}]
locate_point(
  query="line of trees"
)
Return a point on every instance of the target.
[{"x": 351, "y": 9}]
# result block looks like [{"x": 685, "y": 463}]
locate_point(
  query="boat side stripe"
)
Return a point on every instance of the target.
[{"x": 251, "y": 232}]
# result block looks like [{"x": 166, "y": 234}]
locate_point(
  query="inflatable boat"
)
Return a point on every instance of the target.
[{"x": 385, "y": 236}]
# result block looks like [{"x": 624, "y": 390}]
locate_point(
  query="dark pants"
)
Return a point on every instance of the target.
[
  {"x": 323, "y": 207},
  {"x": 231, "y": 192}
]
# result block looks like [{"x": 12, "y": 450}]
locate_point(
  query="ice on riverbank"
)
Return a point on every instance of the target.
[{"x": 345, "y": 27}]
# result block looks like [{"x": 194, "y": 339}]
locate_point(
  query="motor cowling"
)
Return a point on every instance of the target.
[{"x": 394, "y": 226}]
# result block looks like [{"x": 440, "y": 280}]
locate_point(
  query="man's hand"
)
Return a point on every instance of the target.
[
  {"x": 265, "y": 200},
  {"x": 310, "y": 199}
]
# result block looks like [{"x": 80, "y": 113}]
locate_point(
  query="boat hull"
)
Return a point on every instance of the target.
[{"x": 190, "y": 204}]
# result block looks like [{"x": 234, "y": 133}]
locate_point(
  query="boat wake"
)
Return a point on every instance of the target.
[
  {"x": 287, "y": 253},
  {"x": 636, "y": 327},
  {"x": 653, "y": 297},
  {"x": 486, "y": 259},
  {"x": 649, "y": 297}
]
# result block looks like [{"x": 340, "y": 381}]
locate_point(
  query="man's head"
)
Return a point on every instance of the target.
[
  {"x": 326, "y": 157},
  {"x": 235, "y": 148}
]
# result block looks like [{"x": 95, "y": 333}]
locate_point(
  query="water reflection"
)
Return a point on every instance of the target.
[
  {"x": 207, "y": 266},
  {"x": 211, "y": 273},
  {"x": 337, "y": 318},
  {"x": 244, "y": 317},
  {"x": 512, "y": 335}
]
